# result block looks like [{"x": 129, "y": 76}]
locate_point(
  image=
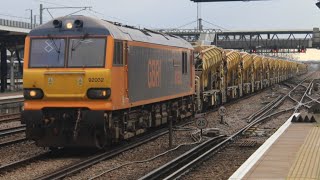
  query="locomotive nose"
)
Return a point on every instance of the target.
[
  {"x": 65, "y": 84},
  {"x": 71, "y": 84}
]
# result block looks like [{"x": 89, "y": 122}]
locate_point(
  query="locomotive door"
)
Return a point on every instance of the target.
[{"x": 125, "y": 63}]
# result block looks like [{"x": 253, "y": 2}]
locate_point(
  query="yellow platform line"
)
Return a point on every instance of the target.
[{"x": 307, "y": 163}]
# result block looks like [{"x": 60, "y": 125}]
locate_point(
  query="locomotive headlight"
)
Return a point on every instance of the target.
[
  {"x": 69, "y": 25},
  {"x": 32, "y": 94},
  {"x": 99, "y": 93}
]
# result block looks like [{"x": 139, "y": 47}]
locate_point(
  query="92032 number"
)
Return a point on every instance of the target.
[{"x": 96, "y": 79}]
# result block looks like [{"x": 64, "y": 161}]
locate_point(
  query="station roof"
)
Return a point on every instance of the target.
[{"x": 13, "y": 33}]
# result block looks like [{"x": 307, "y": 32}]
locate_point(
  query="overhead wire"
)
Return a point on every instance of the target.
[
  {"x": 186, "y": 24},
  {"x": 13, "y": 16},
  {"x": 94, "y": 11},
  {"x": 88, "y": 11},
  {"x": 51, "y": 3},
  {"x": 215, "y": 25}
]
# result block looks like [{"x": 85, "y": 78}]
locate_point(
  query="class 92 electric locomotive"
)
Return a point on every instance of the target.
[{"x": 92, "y": 83}]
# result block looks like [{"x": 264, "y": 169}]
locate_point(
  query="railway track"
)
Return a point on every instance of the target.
[
  {"x": 83, "y": 164},
  {"x": 7, "y": 101},
  {"x": 22, "y": 162},
  {"x": 7, "y": 143},
  {"x": 11, "y": 131},
  {"x": 189, "y": 160},
  {"x": 10, "y": 117},
  {"x": 88, "y": 162}
]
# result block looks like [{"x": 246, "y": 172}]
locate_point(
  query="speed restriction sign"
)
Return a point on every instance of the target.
[
  {"x": 222, "y": 111},
  {"x": 201, "y": 123}
]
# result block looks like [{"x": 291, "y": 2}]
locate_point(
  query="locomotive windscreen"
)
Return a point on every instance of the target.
[
  {"x": 47, "y": 53},
  {"x": 86, "y": 52},
  {"x": 50, "y": 53}
]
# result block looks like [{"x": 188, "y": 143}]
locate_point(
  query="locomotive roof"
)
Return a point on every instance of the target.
[{"x": 94, "y": 26}]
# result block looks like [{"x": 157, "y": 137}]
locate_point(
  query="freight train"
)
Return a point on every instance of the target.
[{"x": 93, "y": 83}]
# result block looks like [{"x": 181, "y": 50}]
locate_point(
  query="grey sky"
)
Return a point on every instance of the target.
[{"x": 273, "y": 14}]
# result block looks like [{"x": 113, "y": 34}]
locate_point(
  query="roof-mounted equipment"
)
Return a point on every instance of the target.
[
  {"x": 78, "y": 23},
  {"x": 57, "y": 23}
]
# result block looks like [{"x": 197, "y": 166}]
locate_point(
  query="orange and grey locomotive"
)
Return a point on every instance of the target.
[{"x": 90, "y": 82}]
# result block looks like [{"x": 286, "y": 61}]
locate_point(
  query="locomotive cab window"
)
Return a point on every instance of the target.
[
  {"x": 118, "y": 53},
  {"x": 79, "y": 56},
  {"x": 184, "y": 63},
  {"x": 47, "y": 53}
]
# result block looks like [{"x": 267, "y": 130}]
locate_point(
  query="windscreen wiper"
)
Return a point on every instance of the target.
[
  {"x": 54, "y": 44},
  {"x": 77, "y": 44}
]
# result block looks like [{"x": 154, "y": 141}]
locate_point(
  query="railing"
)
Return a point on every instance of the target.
[{"x": 16, "y": 24}]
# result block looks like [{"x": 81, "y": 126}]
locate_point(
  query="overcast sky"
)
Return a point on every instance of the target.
[{"x": 272, "y": 14}]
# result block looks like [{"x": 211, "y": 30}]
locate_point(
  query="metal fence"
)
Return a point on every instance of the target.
[{"x": 17, "y": 24}]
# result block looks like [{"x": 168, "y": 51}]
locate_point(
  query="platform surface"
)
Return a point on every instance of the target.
[
  {"x": 285, "y": 158},
  {"x": 292, "y": 152},
  {"x": 307, "y": 162}
]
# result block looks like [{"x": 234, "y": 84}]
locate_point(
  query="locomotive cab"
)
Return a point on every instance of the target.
[{"x": 66, "y": 79}]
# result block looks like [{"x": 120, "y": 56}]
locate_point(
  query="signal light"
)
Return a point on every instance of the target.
[
  {"x": 274, "y": 49},
  {"x": 254, "y": 50},
  {"x": 302, "y": 50}
]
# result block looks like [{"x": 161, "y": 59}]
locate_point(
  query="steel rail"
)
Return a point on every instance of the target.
[
  {"x": 262, "y": 110},
  {"x": 83, "y": 164},
  {"x": 304, "y": 95},
  {"x": 10, "y": 131},
  {"x": 88, "y": 162},
  {"x": 13, "y": 165},
  {"x": 170, "y": 170},
  {"x": 10, "y": 117},
  {"x": 77, "y": 167},
  {"x": 11, "y": 101},
  {"x": 7, "y": 143}
]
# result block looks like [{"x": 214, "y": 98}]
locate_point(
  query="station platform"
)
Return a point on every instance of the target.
[
  {"x": 11, "y": 95},
  {"x": 293, "y": 152}
]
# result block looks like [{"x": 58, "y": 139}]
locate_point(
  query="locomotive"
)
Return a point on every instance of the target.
[{"x": 92, "y": 83}]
